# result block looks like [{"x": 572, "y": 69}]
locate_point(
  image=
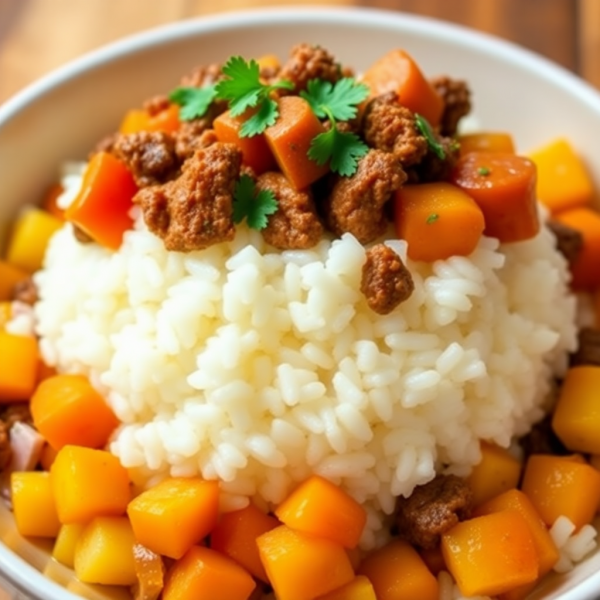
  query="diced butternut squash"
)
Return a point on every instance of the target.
[
  {"x": 66, "y": 409},
  {"x": 563, "y": 180},
  {"x": 66, "y": 541},
  {"x": 235, "y": 536},
  {"x": 137, "y": 120},
  {"x": 31, "y": 233},
  {"x": 18, "y": 366},
  {"x": 302, "y": 566},
  {"x": 554, "y": 485},
  {"x": 9, "y": 277},
  {"x": 486, "y": 141},
  {"x": 172, "y": 516},
  {"x": 491, "y": 554},
  {"x": 360, "y": 588},
  {"x": 33, "y": 504},
  {"x": 322, "y": 508},
  {"x": 205, "y": 573},
  {"x": 497, "y": 472},
  {"x": 88, "y": 483},
  {"x": 150, "y": 571},
  {"x": 397, "y": 572},
  {"x": 104, "y": 552}
]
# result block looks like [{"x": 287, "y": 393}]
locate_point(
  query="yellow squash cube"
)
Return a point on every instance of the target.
[{"x": 64, "y": 546}]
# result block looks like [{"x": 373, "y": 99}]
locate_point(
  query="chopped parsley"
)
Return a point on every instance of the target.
[
  {"x": 432, "y": 218},
  {"x": 194, "y": 102},
  {"x": 243, "y": 89},
  {"x": 483, "y": 171},
  {"x": 427, "y": 132},
  {"x": 252, "y": 206},
  {"x": 337, "y": 102}
]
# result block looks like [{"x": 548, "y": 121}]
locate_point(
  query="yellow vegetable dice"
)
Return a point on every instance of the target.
[
  {"x": 18, "y": 366},
  {"x": 33, "y": 504},
  {"x": 27, "y": 244},
  {"x": 104, "y": 552},
  {"x": 576, "y": 419},
  {"x": 64, "y": 546},
  {"x": 359, "y": 588}
]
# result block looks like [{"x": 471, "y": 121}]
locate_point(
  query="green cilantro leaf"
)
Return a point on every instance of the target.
[
  {"x": 343, "y": 149},
  {"x": 425, "y": 130},
  {"x": 432, "y": 218},
  {"x": 484, "y": 171},
  {"x": 252, "y": 206},
  {"x": 194, "y": 102},
  {"x": 242, "y": 89},
  {"x": 341, "y": 99}
]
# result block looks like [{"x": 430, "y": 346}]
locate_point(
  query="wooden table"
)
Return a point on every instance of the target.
[{"x": 39, "y": 35}]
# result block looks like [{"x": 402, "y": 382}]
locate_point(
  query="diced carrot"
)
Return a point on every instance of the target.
[
  {"x": 554, "y": 486},
  {"x": 428, "y": 215},
  {"x": 517, "y": 500},
  {"x": 102, "y": 206},
  {"x": 360, "y": 588},
  {"x": 66, "y": 409},
  {"x": 503, "y": 185},
  {"x": 563, "y": 181},
  {"x": 255, "y": 150},
  {"x": 137, "y": 120},
  {"x": 205, "y": 573},
  {"x": 497, "y": 472},
  {"x": 9, "y": 277},
  {"x": 87, "y": 483},
  {"x": 49, "y": 202},
  {"x": 18, "y": 366},
  {"x": 172, "y": 516},
  {"x": 585, "y": 271},
  {"x": 301, "y": 566},
  {"x": 322, "y": 508},
  {"x": 486, "y": 141},
  {"x": 290, "y": 138},
  {"x": 397, "y": 71},
  {"x": 235, "y": 536},
  {"x": 491, "y": 554},
  {"x": 397, "y": 572}
]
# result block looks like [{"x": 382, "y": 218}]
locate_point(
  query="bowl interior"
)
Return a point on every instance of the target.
[{"x": 63, "y": 115}]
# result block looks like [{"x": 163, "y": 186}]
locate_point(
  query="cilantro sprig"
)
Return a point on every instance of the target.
[
  {"x": 252, "y": 206},
  {"x": 193, "y": 102},
  {"x": 427, "y": 132},
  {"x": 337, "y": 102},
  {"x": 242, "y": 88}
]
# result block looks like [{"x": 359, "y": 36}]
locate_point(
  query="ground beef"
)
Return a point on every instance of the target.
[
  {"x": 202, "y": 75},
  {"x": 308, "y": 62},
  {"x": 5, "y": 448},
  {"x": 389, "y": 126},
  {"x": 193, "y": 135},
  {"x": 385, "y": 282},
  {"x": 356, "y": 204},
  {"x": 25, "y": 291},
  {"x": 157, "y": 104},
  {"x": 457, "y": 102},
  {"x": 150, "y": 156},
  {"x": 569, "y": 241},
  {"x": 195, "y": 210},
  {"x": 542, "y": 440},
  {"x": 588, "y": 350},
  {"x": 433, "y": 509},
  {"x": 296, "y": 224},
  {"x": 434, "y": 168}
]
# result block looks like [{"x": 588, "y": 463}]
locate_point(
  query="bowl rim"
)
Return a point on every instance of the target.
[{"x": 16, "y": 570}]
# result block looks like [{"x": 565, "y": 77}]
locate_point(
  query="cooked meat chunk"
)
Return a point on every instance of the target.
[
  {"x": 389, "y": 126},
  {"x": 542, "y": 440},
  {"x": 588, "y": 351},
  {"x": 356, "y": 204},
  {"x": 457, "y": 102},
  {"x": 80, "y": 235},
  {"x": 16, "y": 413},
  {"x": 432, "y": 509},
  {"x": 295, "y": 225},
  {"x": 386, "y": 282},
  {"x": 308, "y": 62},
  {"x": 25, "y": 291},
  {"x": 193, "y": 135},
  {"x": 569, "y": 241},
  {"x": 155, "y": 105},
  {"x": 5, "y": 448},
  {"x": 150, "y": 571},
  {"x": 195, "y": 210},
  {"x": 202, "y": 75},
  {"x": 434, "y": 168}
]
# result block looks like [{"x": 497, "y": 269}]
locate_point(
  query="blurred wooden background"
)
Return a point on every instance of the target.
[{"x": 39, "y": 35}]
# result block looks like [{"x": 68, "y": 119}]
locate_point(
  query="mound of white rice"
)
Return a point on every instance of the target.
[{"x": 259, "y": 367}]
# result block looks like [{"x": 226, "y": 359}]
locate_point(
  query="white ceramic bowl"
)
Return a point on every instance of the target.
[{"x": 64, "y": 114}]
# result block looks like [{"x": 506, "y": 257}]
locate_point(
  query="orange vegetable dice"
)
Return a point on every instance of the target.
[
  {"x": 33, "y": 504},
  {"x": 492, "y": 554},
  {"x": 66, "y": 542},
  {"x": 486, "y": 141},
  {"x": 322, "y": 508},
  {"x": 136, "y": 120},
  {"x": 554, "y": 485},
  {"x": 497, "y": 472},
  {"x": 563, "y": 180},
  {"x": 172, "y": 516},
  {"x": 235, "y": 536},
  {"x": 9, "y": 277},
  {"x": 302, "y": 566},
  {"x": 205, "y": 573},
  {"x": 397, "y": 572},
  {"x": 87, "y": 483},
  {"x": 18, "y": 366},
  {"x": 360, "y": 588},
  {"x": 66, "y": 409}
]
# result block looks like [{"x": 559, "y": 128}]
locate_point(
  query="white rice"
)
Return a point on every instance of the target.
[{"x": 257, "y": 368}]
